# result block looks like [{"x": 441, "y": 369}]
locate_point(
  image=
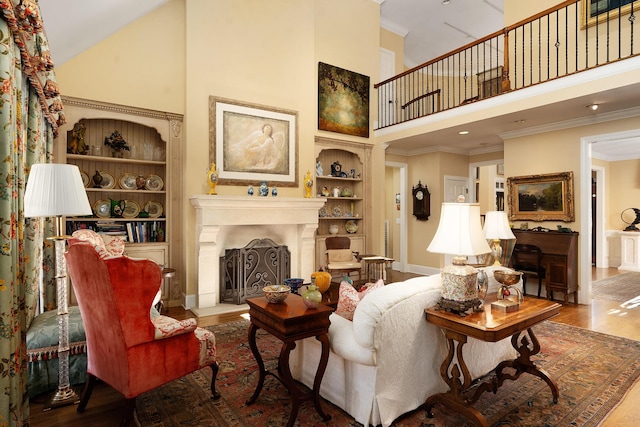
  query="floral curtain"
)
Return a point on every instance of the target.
[{"x": 30, "y": 113}]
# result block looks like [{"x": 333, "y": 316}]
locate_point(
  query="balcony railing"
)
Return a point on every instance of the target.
[{"x": 574, "y": 36}]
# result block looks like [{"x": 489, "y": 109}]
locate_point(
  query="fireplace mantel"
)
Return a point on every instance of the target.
[{"x": 227, "y": 222}]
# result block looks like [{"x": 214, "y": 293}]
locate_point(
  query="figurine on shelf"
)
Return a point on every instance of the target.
[
  {"x": 263, "y": 190},
  {"x": 97, "y": 180},
  {"x": 212, "y": 179},
  {"x": 308, "y": 185},
  {"x": 274, "y": 191},
  {"x": 76, "y": 144},
  {"x": 319, "y": 170}
]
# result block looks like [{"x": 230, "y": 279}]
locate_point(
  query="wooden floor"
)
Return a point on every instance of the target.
[{"x": 106, "y": 405}]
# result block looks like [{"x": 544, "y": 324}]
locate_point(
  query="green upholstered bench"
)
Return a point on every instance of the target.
[{"x": 42, "y": 351}]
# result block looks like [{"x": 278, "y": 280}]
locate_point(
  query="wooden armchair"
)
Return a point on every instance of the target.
[
  {"x": 130, "y": 346},
  {"x": 340, "y": 257}
]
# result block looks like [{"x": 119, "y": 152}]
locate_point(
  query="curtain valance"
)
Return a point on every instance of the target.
[{"x": 25, "y": 22}]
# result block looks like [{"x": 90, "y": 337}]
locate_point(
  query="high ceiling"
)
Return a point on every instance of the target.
[
  {"x": 430, "y": 29},
  {"x": 434, "y": 28}
]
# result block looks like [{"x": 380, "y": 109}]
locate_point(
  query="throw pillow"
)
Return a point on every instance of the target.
[
  {"x": 349, "y": 297},
  {"x": 115, "y": 246}
]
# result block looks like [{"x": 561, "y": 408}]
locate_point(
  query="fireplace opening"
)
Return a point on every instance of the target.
[{"x": 245, "y": 271}]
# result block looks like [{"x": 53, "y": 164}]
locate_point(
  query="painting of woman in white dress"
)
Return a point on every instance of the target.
[
  {"x": 250, "y": 143},
  {"x": 255, "y": 144}
]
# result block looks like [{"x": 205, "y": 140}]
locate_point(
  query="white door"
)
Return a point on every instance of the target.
[{"x": 455, "y": 186}]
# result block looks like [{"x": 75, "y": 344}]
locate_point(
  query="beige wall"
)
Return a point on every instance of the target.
[
  {"x": 623, "y": 190},
  {"x": 142, "y": 65},
  {"x": 517, "y": 10},
  {"x": 257, "y": 52}
]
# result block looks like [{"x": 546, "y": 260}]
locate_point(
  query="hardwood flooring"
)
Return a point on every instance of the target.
[{"x": 106, "y": 405}]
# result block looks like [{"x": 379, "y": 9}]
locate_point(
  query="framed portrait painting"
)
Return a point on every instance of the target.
[
  {"x": 343, "y": 101},
  {"x": 250, "y": 143},
  {"x": 546, "y": 197}
]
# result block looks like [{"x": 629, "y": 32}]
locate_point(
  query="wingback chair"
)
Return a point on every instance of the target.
[{"x": 130, "y": 346}]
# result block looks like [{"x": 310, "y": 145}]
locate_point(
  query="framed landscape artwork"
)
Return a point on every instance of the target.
[
  {"x": 343, "y": 101},
  {"x": 541, "y": 197},
  {"x": 599, "y": 10},
  {"x": 250, "y": 143}
]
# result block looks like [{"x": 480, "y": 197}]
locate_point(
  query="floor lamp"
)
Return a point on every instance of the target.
[{"x": 55, "y": 190}]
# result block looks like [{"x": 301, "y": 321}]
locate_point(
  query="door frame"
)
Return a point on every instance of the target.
[{"x": 401, "y": 264}]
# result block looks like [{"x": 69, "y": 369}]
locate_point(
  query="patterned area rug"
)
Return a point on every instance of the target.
[
  {"x": 623, "y": 287},
  {"x": 593, "y": 372}
]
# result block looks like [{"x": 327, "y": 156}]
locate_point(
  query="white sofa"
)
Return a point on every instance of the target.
[{"x": 387, "y": 361}]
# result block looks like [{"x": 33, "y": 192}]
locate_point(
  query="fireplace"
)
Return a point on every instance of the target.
[{"x": 227, "y": 222}]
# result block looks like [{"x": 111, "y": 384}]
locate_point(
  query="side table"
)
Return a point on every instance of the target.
[
  {"x": 489, "y": 326},
  {"x": 290, "y": 321}
]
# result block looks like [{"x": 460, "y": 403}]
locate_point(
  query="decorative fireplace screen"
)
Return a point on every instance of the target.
[{"x": 245, "y": 271}]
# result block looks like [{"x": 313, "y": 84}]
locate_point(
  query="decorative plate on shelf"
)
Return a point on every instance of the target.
[
  {"x": 108, "y": 181},
  {"x": 154, "y": 183},
  {"x": 154, "y": 209},
  {"x": 131, "y": 209},
  {"x": 322, "y": 213},
  {"x": 85, "y": 179},
  {"x": 128, "y": 181},
  {"x": 351, "y": 226},
  {"x": 102, "y": 208},
  {"x": 337, "y": 212}
]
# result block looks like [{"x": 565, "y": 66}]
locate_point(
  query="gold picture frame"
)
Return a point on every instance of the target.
[
  {"x": 592, "y": 9},
  {"x": 547, "y": 197},
  {"x": 250, "y": 143}
]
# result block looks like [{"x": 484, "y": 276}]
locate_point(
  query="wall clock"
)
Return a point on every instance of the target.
[{"x": 421, "y": 202}]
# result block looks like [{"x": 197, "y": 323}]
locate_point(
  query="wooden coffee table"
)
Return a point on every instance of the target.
[
  {"x": 290, "y": 321},
  {"x": 491, "y": 326}
]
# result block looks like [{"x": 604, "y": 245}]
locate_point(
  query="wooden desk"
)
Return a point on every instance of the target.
[
  {"x": 560, "y": 258},
  {"x": 490, "y": 326},
  {"x": 289, "y": 322}
]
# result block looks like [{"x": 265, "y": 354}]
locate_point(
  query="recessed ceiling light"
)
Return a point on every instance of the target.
[
  {"x": 463, "y": 132},
  {"x": 521, "y": 121},
  {"x": 594, "y": 107}
]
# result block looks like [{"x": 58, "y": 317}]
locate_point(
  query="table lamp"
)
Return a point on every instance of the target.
[
  {"x": 496, "y": 228},
  {"x": 460, "y": 234},
  {"x": 54, "y": 190}
]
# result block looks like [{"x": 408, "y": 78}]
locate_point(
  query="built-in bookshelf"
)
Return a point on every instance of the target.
[
  {"x": 131, "y": 191},
  {"x": 347, "y": 193}
]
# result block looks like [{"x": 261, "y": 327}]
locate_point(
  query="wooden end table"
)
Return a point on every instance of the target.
[
  {"x": 290, "y": 321},
  {"x": 491, "y": 326}
]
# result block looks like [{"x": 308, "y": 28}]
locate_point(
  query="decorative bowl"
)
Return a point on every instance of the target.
[
  {"x": 294, "y": 283},
  {"x": 276, "y": 293},
  {"x": 507, "y": 277}
]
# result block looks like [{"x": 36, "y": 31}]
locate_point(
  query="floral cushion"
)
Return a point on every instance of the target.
[
  {"x": 168, "y": 327},
  {"x": 207, "y": 346},
  {"x": 349, "y": 297},
  {"x": 106, "y": 246}
]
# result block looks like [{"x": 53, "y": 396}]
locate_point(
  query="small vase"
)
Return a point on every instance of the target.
[
  {"x": 312, "y": 297},
  {"x": 483, "y": 285}
]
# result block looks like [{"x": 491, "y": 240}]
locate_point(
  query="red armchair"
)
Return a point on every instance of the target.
[{"x": 130, "y": 347}]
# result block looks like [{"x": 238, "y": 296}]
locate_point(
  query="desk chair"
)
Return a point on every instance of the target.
[
  {"x": 528, "y": 260},
  {"x": 340, "y": 257}
]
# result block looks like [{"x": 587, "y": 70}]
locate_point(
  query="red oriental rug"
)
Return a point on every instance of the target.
[{"x": 592, "y": 370}]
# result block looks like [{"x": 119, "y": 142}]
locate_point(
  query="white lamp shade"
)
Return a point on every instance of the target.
[
  {"x": 55, "y": 190},
  {"x": 496, "y": 226},
  {"x": 459, "y": 231}
]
